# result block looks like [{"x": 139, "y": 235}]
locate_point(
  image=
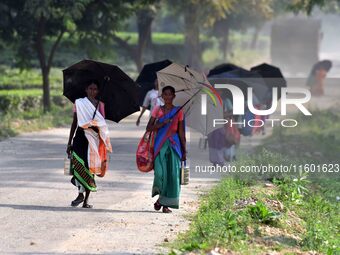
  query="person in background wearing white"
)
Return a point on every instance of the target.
[{"x": 151, "y": 100}]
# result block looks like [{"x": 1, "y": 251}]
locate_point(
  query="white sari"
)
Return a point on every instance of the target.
[{"x": 99, "y": 142}]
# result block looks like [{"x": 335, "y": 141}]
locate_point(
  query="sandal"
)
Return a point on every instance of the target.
[
  {"x": 87, "y": 206},
  {"x": 166, "y": 210},
  {"x": 78, "y": 200},
  {"x": 157, "y": 206}
]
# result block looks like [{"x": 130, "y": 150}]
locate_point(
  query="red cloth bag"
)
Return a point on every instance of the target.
[{"x": 145, "y": 152}]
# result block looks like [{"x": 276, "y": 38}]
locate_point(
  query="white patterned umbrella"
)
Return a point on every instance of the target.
[{"x": 190, "y": 85}]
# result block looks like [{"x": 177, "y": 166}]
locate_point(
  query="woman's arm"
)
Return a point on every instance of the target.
[
  {"x": 140, "y": 115},
  {"x": 181, "y": 133},
  {"x": 153, "y": 126},
  {"x": 72, "y": 131}
]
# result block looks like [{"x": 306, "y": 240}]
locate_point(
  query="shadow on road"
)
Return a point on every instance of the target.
[{"x": 69, "y": 209}]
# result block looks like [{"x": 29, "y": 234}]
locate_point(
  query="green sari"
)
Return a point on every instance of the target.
[
  {"x": 166, "y": 182},
  {"x": 167, "y": 163}
]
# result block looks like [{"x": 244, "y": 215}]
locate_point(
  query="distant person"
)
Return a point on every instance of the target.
[
  {"x": 88, "y": 143},
  {"x": 317, "y": 77},
  {"x": 223, "y": 141},
  {"x": 151, "y": 100}
]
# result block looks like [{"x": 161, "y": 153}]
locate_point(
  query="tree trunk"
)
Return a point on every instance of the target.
[
  {"x": 255, "y": 38},
  {"x": 43, "y": 65},
  {"x": 46, "y": 89},
  {"x": 225, "y": 43},
  {"x": 192, "y": 40},
  {"x": 145, "y": 18}
]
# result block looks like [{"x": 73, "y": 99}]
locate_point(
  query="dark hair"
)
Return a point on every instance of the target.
[
  {"x": 324, "y": 64},
  {"x": 93, "y": 81},
  {"x": 172, "y": 89}
]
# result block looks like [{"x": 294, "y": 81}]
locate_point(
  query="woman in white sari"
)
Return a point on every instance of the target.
[{"x": 88, "y": 144}]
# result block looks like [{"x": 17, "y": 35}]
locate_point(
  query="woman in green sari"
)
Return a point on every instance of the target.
[{"x": 169, "y": 151}]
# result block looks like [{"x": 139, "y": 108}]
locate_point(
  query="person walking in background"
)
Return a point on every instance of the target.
[
  {"x": 316, "y": 78},
  {"x": 88, "y": 148},
  {"x": 169, "y": 150},
  {"x": 223, "y": 141},
  {"x": 151, "y": 100}
]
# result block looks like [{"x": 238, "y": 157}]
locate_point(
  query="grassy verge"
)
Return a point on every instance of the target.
[
  {"x": 292, "y": 213},
  {"x": 315, "y": 140},
  {"x": 14, "y": 78},
  {"x": 14, "y": 123}
]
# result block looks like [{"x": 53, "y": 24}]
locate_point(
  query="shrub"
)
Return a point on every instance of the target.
[{"x": 12, "y": 101}]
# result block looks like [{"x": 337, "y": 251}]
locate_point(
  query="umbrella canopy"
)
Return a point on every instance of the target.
[
  {"x": 243, "y": 79},
  {"x": 116, "y": 89},
  {"x": 223, "y": 68},
  {"x": 147, "y": 77},
  {"x": 272, "y": 75},
  {"x": 189, "y": 86}
]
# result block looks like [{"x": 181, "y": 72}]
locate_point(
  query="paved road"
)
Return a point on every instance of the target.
[{"x": 35, "y": 216}]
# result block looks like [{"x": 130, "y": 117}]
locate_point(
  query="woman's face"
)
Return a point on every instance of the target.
[
  {"x": 92, "y": 90},
  {"x": 168, "y": 96}
]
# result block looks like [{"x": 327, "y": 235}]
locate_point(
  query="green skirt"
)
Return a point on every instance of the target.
[
  {"x": 166, "y": 184},
  {"x": 79, "y": 165}
]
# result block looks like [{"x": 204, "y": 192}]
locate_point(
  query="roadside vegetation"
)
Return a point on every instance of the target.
[{"x": 292, "y": 213}]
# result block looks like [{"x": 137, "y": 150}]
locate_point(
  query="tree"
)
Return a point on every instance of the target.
[
  {"x": 244, "y": 14},
  {"x": 36, "y": 27},
  {"x": 27, "y": 25},
  {"x": 145, "y": 16},
  {"x": 198, "y": 14},
  {"x": 307, "y": 6}
]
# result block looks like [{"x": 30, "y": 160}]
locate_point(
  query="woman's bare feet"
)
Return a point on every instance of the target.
[
  {"x": 157, "y": 206},
  {"x": 166, "y": 210}
]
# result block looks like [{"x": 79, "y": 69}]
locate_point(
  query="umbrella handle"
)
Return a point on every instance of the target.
[{"x": 95, "y": 111}]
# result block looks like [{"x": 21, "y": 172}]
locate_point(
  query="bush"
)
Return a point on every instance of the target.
[
  {"x": 26, "y": 100},
  {"x": 15, "y": 78}
]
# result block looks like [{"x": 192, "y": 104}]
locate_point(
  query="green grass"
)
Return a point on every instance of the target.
[
  {"x": 157, "y": 38},
  {"x": 298, "y": 212},
  {"x": 315, "y": 140},
  {"x": 14, "y": 78},
  {"x": 14, "y": 123},
  {"x": 27, "y": 92},
  {"x": 239, "y": 51}
]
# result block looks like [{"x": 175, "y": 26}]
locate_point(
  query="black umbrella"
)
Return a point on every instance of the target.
[
  {"x": 147, "y": 77},
  {"x": 223, "y": 68},
  {"x": 117, "y": 90},
  {"x": 243, "y": 79},
  {"x": 272, "y": 75}
]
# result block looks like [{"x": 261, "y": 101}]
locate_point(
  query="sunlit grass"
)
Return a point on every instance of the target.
[{"x": 297, "y": 212}]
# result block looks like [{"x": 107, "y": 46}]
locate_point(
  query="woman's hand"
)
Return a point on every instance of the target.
[
  {"x": 138, "y": 122},
  {"x": 162, "y": 124},
  {"x": 184, "y": 156},
  {"x": 104, "y": 165},
  {"x": 69, "y": 150},
  {"x": 167, "y": 121},
  {"x": 95, "y": 129}
]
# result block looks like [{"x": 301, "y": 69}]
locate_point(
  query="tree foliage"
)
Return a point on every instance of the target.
[
  {"x": 307, "y": 6},
  {"x": 27, "y": 24}
]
